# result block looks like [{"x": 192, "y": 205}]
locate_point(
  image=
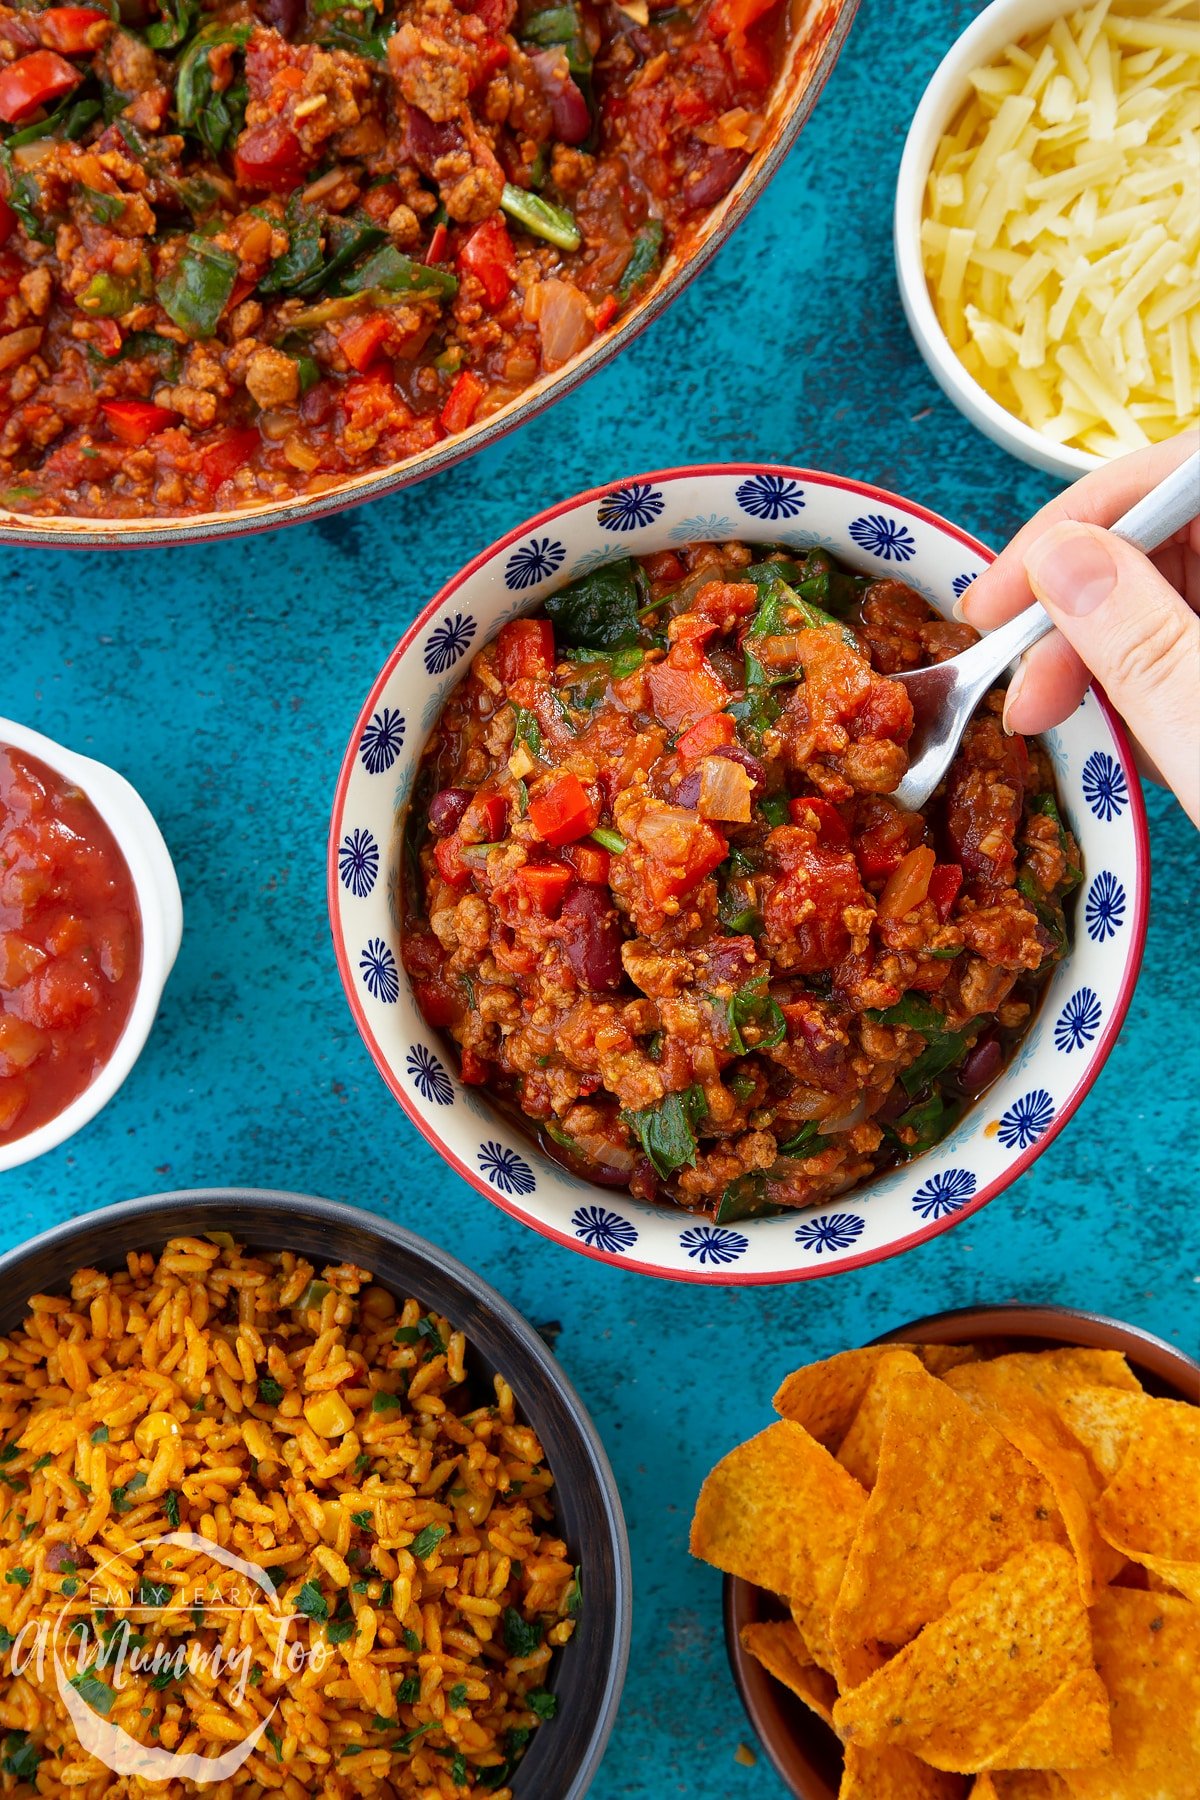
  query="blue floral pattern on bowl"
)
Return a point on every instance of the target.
[
  {"x": 1078, "y": 1022},
  {"x": 961, "y": 583},
  {"x": 1104, "y": 913},
  {"x": 630, "y": 508},
  {"x": 358, "y": 862},
  {"x": 831, "y": 1232},
  {"x": 533, "y": 562},
  {"x": 880, "y": 536},
  {"x": 451, "y": 640},
  {"x": 382, "y": 741},
  {"x": 429, "y": 1076},
  {"x": 602, "y": 1229},
  {"x": 1104, "y": 786},
  {"x": 506, "y": 1169},
  {"x": 944, "y": 1193},
  {"x": 770, "y": 497},
  {"x": 381, "y": 978},
  {"x": 715, "y": 1244},
  {"x": 1054, "y": 1064},
  {"x": 1027, "y": 1120}
]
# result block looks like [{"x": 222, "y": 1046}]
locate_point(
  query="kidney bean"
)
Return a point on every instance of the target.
[
  {"x": 446, "y": 809},
  {"x": 982, "y": 1065},
  {"x": 716, "y": 176},
  {"x": 590, "y": 930},
  {"x": 283, "y": 15}
]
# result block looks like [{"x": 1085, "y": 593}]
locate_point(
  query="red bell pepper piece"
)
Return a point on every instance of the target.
[
  {"x": 464, "y": 401},
  {"x": 685, "y": 687},
  {"x": 486, "y": 818},
  {"x": 8, "y": 220},
  {"x": 561, "y": 809},
  {"x": 590, "y": 862},
  {"x": 472, "y": 1068},
  {"x": 437, "y": 244},
  {"x": 525, "y": 651},
  {"x": 32, "y": 81},
  {"x": 606, "y": 312},
  {"x": 133, "y": 421},
  {"x": 72, "y": 29},
  {"x": 362, "y": 342},
  {"x": 712, "y": 733},
  {"x": 831, "y": 827},
  {"x": 447, "y": 854},
  {"x": 944, "y": 884},
  {"x": 488, "y": 253},
  {"x": 227, "y": 455},
  {"x": 438, "y": 1007},
  {"x": 270, "y": 156},
  {"x": 545, "y": 886}
]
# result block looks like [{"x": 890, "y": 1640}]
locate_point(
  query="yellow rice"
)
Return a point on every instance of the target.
[{"x": 196, "y": 1392}]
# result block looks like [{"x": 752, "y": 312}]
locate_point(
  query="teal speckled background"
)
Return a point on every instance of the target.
[{"x": 224, "y": 682}]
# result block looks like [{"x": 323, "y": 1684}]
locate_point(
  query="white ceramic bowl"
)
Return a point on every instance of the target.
[
  {"x": 1003, "y": 22},
  {"x": 1081, "y": 1014},
  {"x": 157, "y": 888}
]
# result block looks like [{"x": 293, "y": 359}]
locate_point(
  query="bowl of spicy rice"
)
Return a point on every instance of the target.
[{"x": 317, "y": 1520}]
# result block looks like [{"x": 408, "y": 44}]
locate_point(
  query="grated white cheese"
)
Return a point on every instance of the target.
[{"x": 1062, "y": 229}]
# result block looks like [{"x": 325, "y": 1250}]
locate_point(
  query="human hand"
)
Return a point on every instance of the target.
[{"x": 1128, "y": 620}]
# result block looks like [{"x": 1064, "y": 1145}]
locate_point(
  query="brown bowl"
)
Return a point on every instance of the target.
[
  {"x": 817, "y": 29},
  {"x": 804, "y": 1752}
]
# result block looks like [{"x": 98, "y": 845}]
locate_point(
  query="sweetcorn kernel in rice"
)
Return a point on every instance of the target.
[{"x": 244, "y": 1496}]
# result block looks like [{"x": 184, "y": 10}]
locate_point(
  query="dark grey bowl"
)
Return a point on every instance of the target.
[{"x": 587, "y": 1677}]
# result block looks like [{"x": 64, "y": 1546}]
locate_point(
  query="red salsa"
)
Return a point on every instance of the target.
[{"x": 70, "y": 943}]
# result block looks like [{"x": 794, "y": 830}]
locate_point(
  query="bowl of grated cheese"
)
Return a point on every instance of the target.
[{"x": 1047, "y": 227}]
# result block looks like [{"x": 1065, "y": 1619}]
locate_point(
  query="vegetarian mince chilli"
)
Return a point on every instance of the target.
[
  {"x": 248, "y": 250},
  {"x": 657, "y": 891}
]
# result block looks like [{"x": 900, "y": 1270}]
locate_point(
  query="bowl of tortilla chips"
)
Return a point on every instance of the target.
[{"x": 964, "y": 1564}]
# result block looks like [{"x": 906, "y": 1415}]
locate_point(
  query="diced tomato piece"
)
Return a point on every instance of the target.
[
  {"x": 486, "y": 819},
  {"x": 447, "y": 854},
  {"x": 472, "y": 1068},
  {"x": 488, "y": 253},
  {"x": 497, "y": 15},
  {"x": 944, "y": 884},
  {"x": 685, "y": 687},
  {"x": 437, "y": 244},
  {"x": 133, "y": 421},
  {"x": 73, "y": 29},
  {"x": 590, "y": 862},
  {"x": 545, "y": 885},
  {"x": 439, "y": 1007},
  {"x": 32, "y": 81},
  {"x": 705, "y": 848},
  {"x": 664, "y": 565},
  {"x": 106, "y": 339},
  {"x": 363, "y": 341},
  {"x": 733, "y": 18},
  {"x": 525, "y": 651},
  {"x": 8, "y": 220},
  {"x": 270, "y": 156},
  {"x": 693, "y": 628},
  {"x": 831, "y": 827},
  {"x": 561, "y": 809},
  {"x": 606, "y": 312},
  {"x": 225, "y": 457},
  {"x": 706, "y": 735},
  {"x": 464, "y": 401}
]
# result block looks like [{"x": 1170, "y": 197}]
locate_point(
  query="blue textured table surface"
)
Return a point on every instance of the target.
[{"x": 224, "y": 682}]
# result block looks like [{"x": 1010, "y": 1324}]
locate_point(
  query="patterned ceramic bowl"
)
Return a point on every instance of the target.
[{"x": 874, "y": 532}]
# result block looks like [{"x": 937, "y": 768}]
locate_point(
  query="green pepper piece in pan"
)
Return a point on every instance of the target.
[
  {"x": 394, "y": 273},
  {"x": 643, "y": 259},
  {"x": 108, "y": 296},
  {"x": 541, "y": 218},
  {"x": 195, "y": 292}
]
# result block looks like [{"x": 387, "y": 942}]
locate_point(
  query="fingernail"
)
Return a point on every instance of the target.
[
  {"x": 1070, "y": 568},
  {"x": 1014, "y": 688},
  {"x": 956, "y": 612}
]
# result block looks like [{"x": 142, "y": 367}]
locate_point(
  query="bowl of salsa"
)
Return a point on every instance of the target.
[
  {"x": 635, "y": 928},
  {"x": 90, "y": 925}
]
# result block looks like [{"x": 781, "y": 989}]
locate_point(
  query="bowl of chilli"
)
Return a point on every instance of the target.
[
  {"x": 90, "y": 926},
  {"x": 724, "y": 1012},
  {"x": 344, "y": 1477},
  {"x": 313, "y": 259},
  {"x": 1094, "y": 1395}
]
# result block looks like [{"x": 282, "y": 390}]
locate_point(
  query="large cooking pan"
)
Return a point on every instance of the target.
[{"x": 817, "y": 32}]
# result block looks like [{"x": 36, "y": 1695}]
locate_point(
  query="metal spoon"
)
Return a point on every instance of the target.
[{"x": 945, "y": 697}]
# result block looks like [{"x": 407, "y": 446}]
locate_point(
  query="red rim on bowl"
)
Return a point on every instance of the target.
[
  {"x": 809, "y": 65},
  {"x": 805, "y": 1753},
  {"x": 927, "y": 1229}
]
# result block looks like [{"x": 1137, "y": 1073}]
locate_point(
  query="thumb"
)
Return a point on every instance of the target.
[{"x": 1138, "y": 637}]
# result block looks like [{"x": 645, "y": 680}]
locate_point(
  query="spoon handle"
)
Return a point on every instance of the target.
[{"x": 1162, "y": 512}]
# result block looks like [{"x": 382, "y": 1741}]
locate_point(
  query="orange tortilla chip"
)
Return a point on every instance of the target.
[
  {"x": 859, "y": 1449},
  {"x": 895, "y": 1775},
  {"x": 824, "y": 1396},
  {"x": 1070, "y": 1730},
  {"x": 781, "y": 1513},
  {"x": 1106, "y": 1421},
  {"x": 1150, "y": 1510},
  {"x": 1147, "y": 1649},
  {"x": 952, "y": 1498},
  {"x": 778, "y": 1646},
  {"x": 1052, "y": 1373},
  {"x": 1021, "y": 1784},
  {"x": 974, "y": 1680}
]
